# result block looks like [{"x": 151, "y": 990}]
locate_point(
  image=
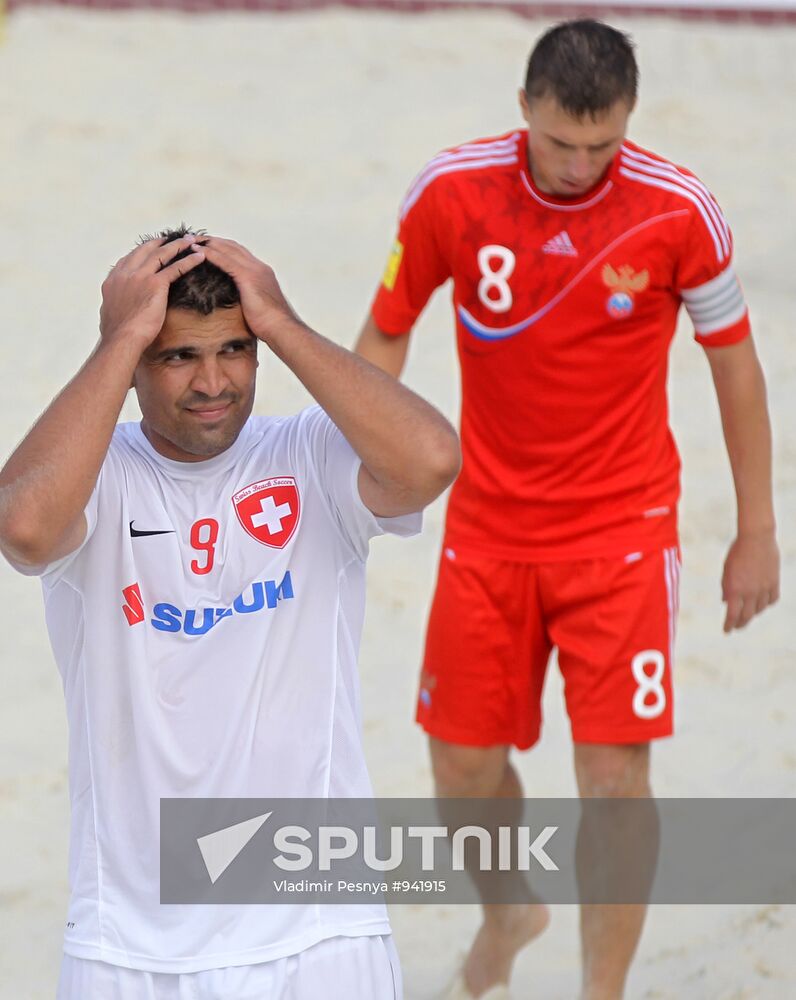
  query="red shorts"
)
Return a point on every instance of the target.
[{"x": 494, "y": 623}]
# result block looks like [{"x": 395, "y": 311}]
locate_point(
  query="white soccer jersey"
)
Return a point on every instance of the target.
[{"x": 207, "y": 633}]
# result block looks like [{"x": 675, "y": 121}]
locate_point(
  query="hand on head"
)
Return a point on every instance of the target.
[
  {"x": 135, "y": 293},
  {"x": 262, "y": 300}
]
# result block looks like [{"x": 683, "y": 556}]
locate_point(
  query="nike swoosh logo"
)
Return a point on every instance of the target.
[{"x": 135, "y": 533}]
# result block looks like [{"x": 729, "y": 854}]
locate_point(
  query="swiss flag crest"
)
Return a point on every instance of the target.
[{"x": 269, "y": 510}]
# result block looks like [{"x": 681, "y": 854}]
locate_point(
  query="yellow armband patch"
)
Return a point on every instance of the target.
[{"x": 393, "y": 265}]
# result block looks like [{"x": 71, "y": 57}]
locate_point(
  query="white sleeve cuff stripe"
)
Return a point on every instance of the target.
[
  {"x": 727, "y": 279},
  {"x": 717, "y": 304},
  {"x": 729, "y": 319},
  {"x": 663, "y": 168},
  {"x": 468, "y": 163},
  {"x": 708, "y": 311}
]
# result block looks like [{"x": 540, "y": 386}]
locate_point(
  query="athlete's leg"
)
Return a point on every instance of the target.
[
  {"x": 486, "y": 654},
  {"x": 613, "y": 622},
  {"x": 610, "y": 932},
  {"x": 486, "y": 772}
]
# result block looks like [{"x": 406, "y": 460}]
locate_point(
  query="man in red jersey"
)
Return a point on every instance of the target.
[{"x": 571, "y": 251}]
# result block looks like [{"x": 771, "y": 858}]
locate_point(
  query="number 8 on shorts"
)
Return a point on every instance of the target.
[{"x": 649, "y": 699}]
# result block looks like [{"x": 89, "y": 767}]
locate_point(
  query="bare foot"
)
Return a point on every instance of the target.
[{"x": 506, "y": 930}]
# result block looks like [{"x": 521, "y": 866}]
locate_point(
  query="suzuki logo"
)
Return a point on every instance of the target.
[{"x": 198, "y": 621}]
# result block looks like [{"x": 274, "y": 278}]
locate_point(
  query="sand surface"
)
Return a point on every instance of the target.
[{"x": 297, "y": 135}]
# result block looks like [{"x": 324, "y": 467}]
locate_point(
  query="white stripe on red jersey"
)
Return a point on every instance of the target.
[
  {"x": 579, "y": 206},
  {"x": 665, "y": 168},
  {"x": 659, "y": 173},
  {"x": 496, "y": 147},
  {"x": 502, "y": 152},
  {"x": 507, "y": 142}
]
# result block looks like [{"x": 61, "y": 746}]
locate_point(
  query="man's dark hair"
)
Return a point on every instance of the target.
[
  {"x": 586, "y": 65},
  {"x": 202, "y": 289}
]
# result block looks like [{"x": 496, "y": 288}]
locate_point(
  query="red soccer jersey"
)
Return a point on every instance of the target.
[{"x": 565, "y": 310}]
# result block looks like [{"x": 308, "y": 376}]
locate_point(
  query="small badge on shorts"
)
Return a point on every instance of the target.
[
  {"x": 623, "y": 283},
  {"x": 427, "y": 684}
]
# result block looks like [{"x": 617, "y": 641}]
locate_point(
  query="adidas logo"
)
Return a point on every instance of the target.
[{"x": 561, "y": 245}]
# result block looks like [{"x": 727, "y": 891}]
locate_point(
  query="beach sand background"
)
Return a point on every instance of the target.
[{"x": 297, "y": 135}]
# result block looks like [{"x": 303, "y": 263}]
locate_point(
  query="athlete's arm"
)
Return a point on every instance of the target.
[
  {"x": 751, "y": 571},
  {"x": 47, "y": 482},
  {"x": 381, "y": 349},
  {"x": 409, "y": 451}
]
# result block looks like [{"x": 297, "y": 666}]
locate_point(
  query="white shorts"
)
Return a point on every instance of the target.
[{"x": 340, "y": 968}]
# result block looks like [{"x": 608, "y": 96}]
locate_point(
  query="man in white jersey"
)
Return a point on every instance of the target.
[{"x": 203, "y": 574}]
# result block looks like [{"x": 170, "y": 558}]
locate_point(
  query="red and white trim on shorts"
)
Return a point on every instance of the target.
[{"x": 671, "y": 568}]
